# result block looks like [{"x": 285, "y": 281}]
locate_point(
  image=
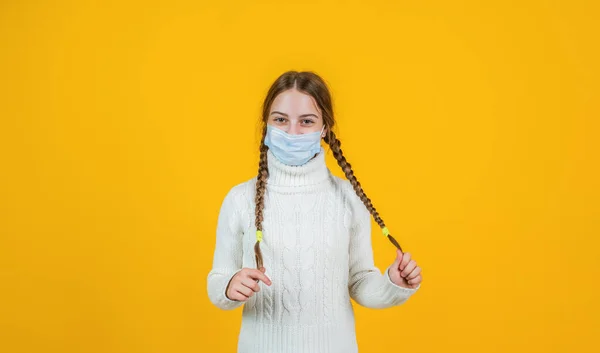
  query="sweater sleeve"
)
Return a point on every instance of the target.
[
  {"x": 227, "y": 259},
  {"x": 367, "y": 285}
]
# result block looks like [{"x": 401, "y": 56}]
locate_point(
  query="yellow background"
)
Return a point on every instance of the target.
[{"x": 473, "y": 127}]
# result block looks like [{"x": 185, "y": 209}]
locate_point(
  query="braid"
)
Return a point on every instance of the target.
[
  {"x": 261, "y": 182},
  {"x": 335, "y": 145}
]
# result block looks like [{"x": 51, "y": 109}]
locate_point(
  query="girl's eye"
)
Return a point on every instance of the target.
[
  {"x": 279, "y": 119},
  {"x": 307, "y": 121}
]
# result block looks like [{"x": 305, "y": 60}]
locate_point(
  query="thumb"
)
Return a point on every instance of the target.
[
  {"x": 396, "y": 263},
  {"x": 263, "y": 269}
]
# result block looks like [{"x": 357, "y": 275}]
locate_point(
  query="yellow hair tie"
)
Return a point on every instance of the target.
[
  {"x": 259, "y": 235},
  {"x": 385, "y": 231}
]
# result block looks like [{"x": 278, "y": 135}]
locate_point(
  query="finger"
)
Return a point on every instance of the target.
[
  {"x": 244, "y": 290},
  {"x": 253, "y": 285},
  {"x": 263, "y": 270},
  {"x": 238, "y": 296},
  {"x": 414, "y": 273},
  {"x": 409, "y": 268},
  {"x": 405, "y": 260},
  {"x": 415, "y": 280},
  {"x": 256, "y": 274}
]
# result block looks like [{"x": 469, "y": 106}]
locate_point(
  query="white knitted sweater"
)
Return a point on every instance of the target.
[{"x": 317, "y": 252}]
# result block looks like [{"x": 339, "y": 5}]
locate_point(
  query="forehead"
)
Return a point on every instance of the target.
[{"x": 295, "y": 102}]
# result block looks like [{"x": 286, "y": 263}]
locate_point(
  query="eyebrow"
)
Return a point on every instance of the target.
[{"x": 301, "y": 116}]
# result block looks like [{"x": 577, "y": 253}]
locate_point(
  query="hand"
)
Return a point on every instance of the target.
[
  {"x": 245, "y": 283},
  {"x": 404, "y": 271}
]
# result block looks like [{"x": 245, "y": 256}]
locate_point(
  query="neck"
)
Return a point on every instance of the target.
[{"x": 283, "y": 176}]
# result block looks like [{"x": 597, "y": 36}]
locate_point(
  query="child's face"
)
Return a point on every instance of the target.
[{"x": 295, "y": 113}]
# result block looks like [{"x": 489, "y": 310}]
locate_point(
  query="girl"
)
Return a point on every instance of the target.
[{"x": 293, "y": 244}]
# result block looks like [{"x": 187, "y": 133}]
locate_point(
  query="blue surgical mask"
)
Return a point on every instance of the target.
[{"x": 293, "y": 149}]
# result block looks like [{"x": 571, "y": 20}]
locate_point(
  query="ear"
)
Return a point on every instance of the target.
[{"x": 324, "y": 133}]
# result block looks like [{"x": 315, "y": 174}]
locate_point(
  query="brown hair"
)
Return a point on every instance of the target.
[{"x": 312, "y": 84}]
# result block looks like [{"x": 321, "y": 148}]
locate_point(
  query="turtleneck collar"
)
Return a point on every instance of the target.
[{"x": 285, "y": 177}]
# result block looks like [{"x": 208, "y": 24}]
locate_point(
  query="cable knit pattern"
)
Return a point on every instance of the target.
[{"x": 317, "y": 252}]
